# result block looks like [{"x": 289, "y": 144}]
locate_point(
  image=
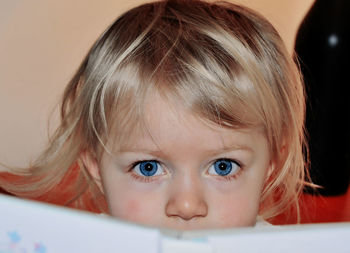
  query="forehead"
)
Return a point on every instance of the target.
[{"x": 165, "y": 125}]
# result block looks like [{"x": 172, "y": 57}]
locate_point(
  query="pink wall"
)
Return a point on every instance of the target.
[{"x": 43, "y": 41}]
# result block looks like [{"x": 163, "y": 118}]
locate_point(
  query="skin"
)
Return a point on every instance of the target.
[{"x": 186, "y": 193}]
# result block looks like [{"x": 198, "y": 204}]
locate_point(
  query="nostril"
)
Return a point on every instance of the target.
[{"x": 186, "y": 208}]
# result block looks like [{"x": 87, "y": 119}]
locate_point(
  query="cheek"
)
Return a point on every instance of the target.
[
  {"x": 134, "y": 207},
  {"x": 125, "y": 209},
  {"x": 236, "y": 208},
  {"x": 239, "y": 212},
  {"x": 126, "y": 200}
]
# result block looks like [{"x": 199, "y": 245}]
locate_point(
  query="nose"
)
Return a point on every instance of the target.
[{"x": 187, "y": 203}]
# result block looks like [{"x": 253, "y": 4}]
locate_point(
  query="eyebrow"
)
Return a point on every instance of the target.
[
  {"x": 213, "y": 151},
  {"x": 232, "y": 148}
]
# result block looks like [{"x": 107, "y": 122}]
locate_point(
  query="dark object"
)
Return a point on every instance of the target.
[
  {"x": 324, "y": 52},
  {"x": 2, "y": 191}
]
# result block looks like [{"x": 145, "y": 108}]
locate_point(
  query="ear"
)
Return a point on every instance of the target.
[{"x": 90, "y": 163}]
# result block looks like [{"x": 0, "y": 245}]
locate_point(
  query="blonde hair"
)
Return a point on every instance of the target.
[{"x": 224, "y": 62}]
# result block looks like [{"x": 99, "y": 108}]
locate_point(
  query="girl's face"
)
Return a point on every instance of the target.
[{"x": 183, "y": 173}]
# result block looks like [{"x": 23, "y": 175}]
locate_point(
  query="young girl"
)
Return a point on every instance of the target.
[{"x": 185, "y": 115}]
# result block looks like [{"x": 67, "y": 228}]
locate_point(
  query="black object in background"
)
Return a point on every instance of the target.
[{"x": 323, "y": 48}]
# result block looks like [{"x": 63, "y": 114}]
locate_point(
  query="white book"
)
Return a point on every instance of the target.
[{"x": 32, "y": 227}]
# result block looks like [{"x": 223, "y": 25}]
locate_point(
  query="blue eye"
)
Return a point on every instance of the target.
[
  {"x": 148, "y": 168},
  {"x": 224, "y": 167}
]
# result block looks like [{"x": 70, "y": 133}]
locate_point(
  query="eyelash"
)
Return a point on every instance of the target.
[
  {"x": 148, "y": 179},
  {"x": 144, "y": 179},
  {"x": 235, "y": 175}
]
